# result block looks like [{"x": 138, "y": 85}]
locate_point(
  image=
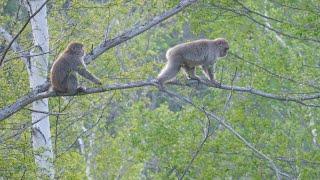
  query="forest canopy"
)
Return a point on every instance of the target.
[{"x": 260, "y": 122}]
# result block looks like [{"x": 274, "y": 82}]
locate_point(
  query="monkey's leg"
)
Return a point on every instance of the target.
[
  {"x": 72, "y": 83},
  {"x": 168, "y": 72},
  {"x": 85, "y": 73},
  {"x": 190, "y": 72},
  {"x": 208, "y": 72}
]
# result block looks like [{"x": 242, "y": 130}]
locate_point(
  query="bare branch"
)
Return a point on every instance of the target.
[
  {"x": 247, "y": 15},
  {"x": 259, "y": 14},
  {"x": 298, "y": 99},
  {"x": 314, "y": 11},
  {"x": 129, "y": 34},
  {"x": 274, "y": 73},
  {"x": 42, "y": 92},
  {"x": 281, "y": 32},
  {"x": 21, "y": 30}
]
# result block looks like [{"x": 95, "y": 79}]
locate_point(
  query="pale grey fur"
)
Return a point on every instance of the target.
[{"x": 201, "y": 52}]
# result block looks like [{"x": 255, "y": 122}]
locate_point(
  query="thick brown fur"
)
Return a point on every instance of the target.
[
  {"x": 63, "y": 72},
  {"x": 203, "y": 53}
]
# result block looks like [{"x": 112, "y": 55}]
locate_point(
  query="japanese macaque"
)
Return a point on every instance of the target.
[
  {"x": 63, "y": 71},
  {"x": 203, "y": 53}
]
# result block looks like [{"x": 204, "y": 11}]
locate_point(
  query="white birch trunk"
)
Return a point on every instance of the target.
[
  {"x": 41, "y": 139},
  {"x": 88, "y": 157}
]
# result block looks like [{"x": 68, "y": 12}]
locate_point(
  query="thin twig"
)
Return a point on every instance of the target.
[
  {"x": 238, "y": 12},
  {"x": 207, "y": 135},
  {"x": 273, "y": 73},
  {"x": 229, "y": 127}
]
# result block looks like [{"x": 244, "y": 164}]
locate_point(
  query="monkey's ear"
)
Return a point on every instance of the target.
[{"x": 221, "y": 42}]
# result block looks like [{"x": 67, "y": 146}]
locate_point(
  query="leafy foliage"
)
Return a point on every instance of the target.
[{"x": 144, "y": 133}]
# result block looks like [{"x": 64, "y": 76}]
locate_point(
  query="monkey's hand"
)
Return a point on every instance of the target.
[{"x": 159, "y": 85}]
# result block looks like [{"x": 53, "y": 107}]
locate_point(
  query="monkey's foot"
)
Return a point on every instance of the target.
[
  {"x": 159, "y": 84},
  {"x": 196, "y": 78},
  {"x": 81, "y": 89},
  {"x": 216, "y": 83}
]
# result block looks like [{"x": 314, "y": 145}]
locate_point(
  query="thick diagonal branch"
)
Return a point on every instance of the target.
[{"x": 129, "y": 34}]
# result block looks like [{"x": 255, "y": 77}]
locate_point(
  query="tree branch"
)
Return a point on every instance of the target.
[
  {"x": 129, "y": 34},
  {"x": 284, "y": 97},
  {"x": 42, "y": 92}
]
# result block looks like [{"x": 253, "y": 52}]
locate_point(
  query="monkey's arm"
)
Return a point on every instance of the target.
[{"x": 82, "y": 70}]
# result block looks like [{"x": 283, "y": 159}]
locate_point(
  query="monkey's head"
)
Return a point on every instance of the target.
[
  {"x": 76, "y": 48},
  {"x": 223, "y": 46}
]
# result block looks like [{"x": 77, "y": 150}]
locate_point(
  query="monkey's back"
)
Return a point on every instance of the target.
[
  {"x": 59, "y": 73},
  {"x": 194, "y": 52}
]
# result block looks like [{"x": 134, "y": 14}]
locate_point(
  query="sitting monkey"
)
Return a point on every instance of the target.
[
  {"x": 203, "y": 53},
  {"x": 63, "y": 71}
]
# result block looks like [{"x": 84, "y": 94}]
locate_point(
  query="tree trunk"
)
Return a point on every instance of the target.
[
  {"x": 87, "y": 157},
  {"x": 41, "y": 139}
]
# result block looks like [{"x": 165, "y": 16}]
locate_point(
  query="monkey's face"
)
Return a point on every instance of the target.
[
  {"x": 223, "y": 49},
  {"x": 77, "y": 48}
]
